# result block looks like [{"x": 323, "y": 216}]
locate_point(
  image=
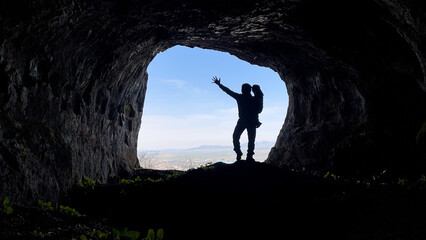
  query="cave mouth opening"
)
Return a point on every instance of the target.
[{"x": 188, "y": 122}]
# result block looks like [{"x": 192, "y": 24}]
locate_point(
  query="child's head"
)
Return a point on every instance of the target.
[{"x": 256, "y": 89}]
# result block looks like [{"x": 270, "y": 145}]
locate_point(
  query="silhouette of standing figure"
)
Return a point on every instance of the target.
[{"x": 248, "y": 118}]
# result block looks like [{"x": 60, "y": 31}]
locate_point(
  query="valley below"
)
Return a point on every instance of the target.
[{"x": 185, "y": 159}]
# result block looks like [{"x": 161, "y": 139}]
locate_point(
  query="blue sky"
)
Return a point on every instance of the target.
[{"x": 184, "y": 109}]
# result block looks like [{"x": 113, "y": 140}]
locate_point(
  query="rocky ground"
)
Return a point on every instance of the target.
[{"x": 227, "y": 201}]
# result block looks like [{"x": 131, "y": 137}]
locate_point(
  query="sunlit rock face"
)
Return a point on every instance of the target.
[{"x": 73, "y": 80}]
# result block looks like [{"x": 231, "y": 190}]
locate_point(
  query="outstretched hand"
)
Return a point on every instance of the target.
[{"x": 216, "y": 80}]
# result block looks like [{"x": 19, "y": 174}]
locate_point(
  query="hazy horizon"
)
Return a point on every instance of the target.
[
  {"x": 184, "y": 159},
  {"x": 259, "y": 144}
]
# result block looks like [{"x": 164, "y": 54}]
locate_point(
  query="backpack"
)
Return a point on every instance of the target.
[{"x": 259, "y": 103}]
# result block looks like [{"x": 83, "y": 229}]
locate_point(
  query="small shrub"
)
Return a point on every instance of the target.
[
  {"x": 70, "y": 211},
  {"x": 125, "y": 233},
  {"x": 6, "y": 208},
  {"x": 127, "y": 181},
  {"x": 152, "y": 236},
  {"x": 38, "y": 234},
  {"x": 87, "y": 183},
  {"x": 330, "y": 175},
  {"x": 116, "y": 234},
  {"x": 99, "y": 234},
  {"x": 160, "y": 234},
  {"x": 402, "y": 181},
  {"x": 172, "y": 176},
  {"x": 154, "y": 181},
  {"x": 138, "y": 180},
  {"x": 46, "y": 206},
  {"x": 134, "y": 235}
]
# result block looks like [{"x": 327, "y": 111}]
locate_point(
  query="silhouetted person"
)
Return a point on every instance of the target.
[
  {"x": 258, "y": 101},
  {"x": 248, "y": 118}
]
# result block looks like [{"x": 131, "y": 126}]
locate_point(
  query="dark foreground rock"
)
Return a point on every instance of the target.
[{"x": 238, "y": 201}]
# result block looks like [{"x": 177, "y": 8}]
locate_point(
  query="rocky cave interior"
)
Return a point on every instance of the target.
[{"x": 73, "y": 81}]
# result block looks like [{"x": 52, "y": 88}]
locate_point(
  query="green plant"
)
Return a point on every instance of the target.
[
  {"x": 87, "y": 182},
  {"x": 133, "y": 235},
  {"x": 38, "y": 234},
  {"x": 116, "y": 234},
  {"x": 154, "y": 180},
  {"x": 99, "y": 234},
  {"x": 131, "y": 181},
  {"x": 139, "y": 180},
  {"x": 331, "y": 175},
  {"x": 6, "y": 208},
  {"x": 70, "y": 211},
  {"x": 127, "y": 181},
  {"x": 172, "y": 176},
  {"x": 82, "y": 237},
  {"x": 160, "y": 234},
  {"x": 125, "y": 233},
  {"x": 151, "y": 234},
  {"x": 402, "y": 181},
  {"x": 46, "y": 206}
]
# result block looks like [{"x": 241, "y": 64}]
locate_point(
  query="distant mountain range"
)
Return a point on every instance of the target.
[{"x": 259, "y": 145}]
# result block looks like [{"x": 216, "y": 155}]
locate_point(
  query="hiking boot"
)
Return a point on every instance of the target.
[
  {"x": 250, "y": 159},
  {"x": 239, "y": 154}
]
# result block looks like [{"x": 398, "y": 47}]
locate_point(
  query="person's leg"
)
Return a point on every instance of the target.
[
  {"x": 239, "y": 129},
  {"x": 251, "y": 132}
]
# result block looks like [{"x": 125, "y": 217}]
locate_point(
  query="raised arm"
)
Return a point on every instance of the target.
[{"x": 225, "y": 89}]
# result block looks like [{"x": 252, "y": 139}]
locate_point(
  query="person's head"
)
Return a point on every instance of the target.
[
  {"x": 245, "y": 88},
  {"x": 256, "y": 90}
]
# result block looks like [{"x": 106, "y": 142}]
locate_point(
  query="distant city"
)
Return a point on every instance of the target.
[{"x": 184, "y": 159}]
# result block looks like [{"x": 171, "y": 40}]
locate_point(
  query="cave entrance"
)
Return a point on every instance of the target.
[{"x": 188, "y": 121}]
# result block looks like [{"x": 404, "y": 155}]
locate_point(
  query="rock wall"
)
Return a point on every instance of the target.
[
  {"x": 361, "y": 116},
  {"x": 73, "y": 80},
  {"x": 72, "y": 98}
]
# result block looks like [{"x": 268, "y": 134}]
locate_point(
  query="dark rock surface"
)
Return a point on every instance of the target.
[
  {"x": 233, "y": 201},
  {"x": 73, "y": 80}
]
